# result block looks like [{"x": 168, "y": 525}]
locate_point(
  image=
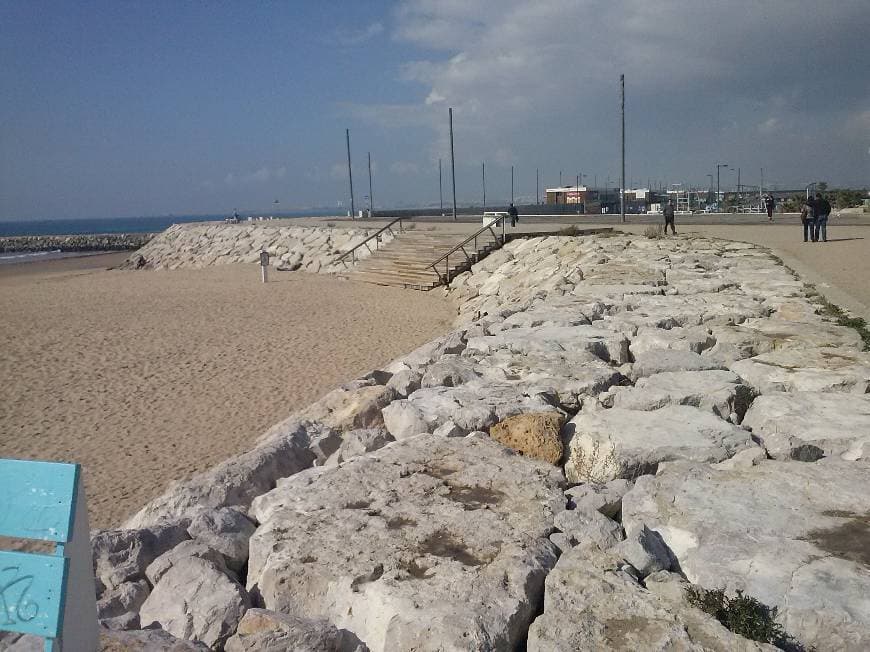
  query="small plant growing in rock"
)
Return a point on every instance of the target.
[{"x": 743, "y": 615}]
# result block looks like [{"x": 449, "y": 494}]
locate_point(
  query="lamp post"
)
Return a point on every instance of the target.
[{"x": 719, "y": 166}]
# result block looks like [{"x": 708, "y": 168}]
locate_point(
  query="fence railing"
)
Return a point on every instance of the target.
[
  {"x": 375, "y": 236},
  {"x": 461, "y": 247}
]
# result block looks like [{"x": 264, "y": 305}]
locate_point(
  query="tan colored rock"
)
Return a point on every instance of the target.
[{"x": 533, "y": 435}]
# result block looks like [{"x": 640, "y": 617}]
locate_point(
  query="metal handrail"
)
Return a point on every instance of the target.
[
  {"x": 341, "y": 258},
  {"x": 461, "y": 245}
]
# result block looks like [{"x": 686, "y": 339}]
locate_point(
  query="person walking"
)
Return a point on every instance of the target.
[
  {"x": 669, "y": 217},
  {"x": 823, "y": 211},
  {"x": 769, "y": 204},
  {"x": 808, "y": 219},
  {"x": 515, "y": 217}
]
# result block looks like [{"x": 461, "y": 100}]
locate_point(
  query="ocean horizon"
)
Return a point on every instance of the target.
[{"x": 86, "y": 226}]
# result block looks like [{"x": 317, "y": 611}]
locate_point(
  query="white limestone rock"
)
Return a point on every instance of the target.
[
  {"x": 405, "y": 382},
  {"x": 807, "y": 370},
  {"x": 605, "y": 498},
  {"x": 146, "y": 640},
  {"x": 591, "y": 604},
  {"x": 180, "y": 554},
  {"x": 584, "y": 527},
  {"x": 603, "y": 445},
  {"x": 717, "y": 391},
  {"x": 606, "y": 344},
  {"x": 122, "y": 556},
  {"x": 657, "y": 361},
  {"x": 646, "y": 551},
  {"x": 450, "y": 371},
  {"x": 428, "y": 544},
  {"x": 285, "y": 450},
  {"x": 261, "y": 630},
  {"x": 473, "y": 406},
  {"x": 695, "y": 339},
  {"x": 793, "y": 535},
  {"x": 195, "y": 601},
  {"x": 226, "y": 530},
  {"x": 809, "y": 425},
  {"x": 359, "y": 442},
  {"x": 121, "y": 601}
]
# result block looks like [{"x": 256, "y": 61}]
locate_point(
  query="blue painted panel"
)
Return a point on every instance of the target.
[
  {"x": 31, "y": 593},
  {"x": 36, "y": 499}
]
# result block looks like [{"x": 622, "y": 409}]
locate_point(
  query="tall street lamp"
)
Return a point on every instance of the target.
[{"x": 719, "y": 166}]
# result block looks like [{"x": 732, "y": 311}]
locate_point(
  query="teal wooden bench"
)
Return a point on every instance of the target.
[{"x": 48, "y": 595}]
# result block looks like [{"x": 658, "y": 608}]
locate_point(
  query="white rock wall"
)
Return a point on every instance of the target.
[{"x": 310, "y": 249}]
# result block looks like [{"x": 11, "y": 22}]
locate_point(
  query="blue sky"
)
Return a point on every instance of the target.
[{"x": 144, "y": 108}]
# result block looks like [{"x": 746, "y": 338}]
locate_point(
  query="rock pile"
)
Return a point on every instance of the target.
[
  {"x": 614, "y": 419},
  {"x": 86, "y": 242},
  {"x": 311, "y": 249}
]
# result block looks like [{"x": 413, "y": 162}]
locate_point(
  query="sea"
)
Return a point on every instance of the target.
[{"x": 87, "y": 226}]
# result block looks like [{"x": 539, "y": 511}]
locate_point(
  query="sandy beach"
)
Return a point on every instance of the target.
[{"x": 149, "y": 377}]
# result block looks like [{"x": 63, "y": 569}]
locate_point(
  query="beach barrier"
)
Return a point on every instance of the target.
[{"x": 48, "y": 595}]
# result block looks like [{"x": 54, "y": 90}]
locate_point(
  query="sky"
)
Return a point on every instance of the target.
[{"x": 116, "y": 108}]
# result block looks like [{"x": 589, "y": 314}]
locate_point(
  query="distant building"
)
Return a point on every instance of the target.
[{"x": 567, "y": 195}]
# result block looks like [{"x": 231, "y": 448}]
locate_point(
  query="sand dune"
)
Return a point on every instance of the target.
[{"x": 147, "y": 377}]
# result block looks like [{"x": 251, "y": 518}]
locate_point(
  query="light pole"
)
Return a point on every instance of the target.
[
  {"x": 710, "y": 187},
  {"x": 350, "y": 174},
  {"x": 452, "y": 163},
  {"x": 719, "y": 166}
]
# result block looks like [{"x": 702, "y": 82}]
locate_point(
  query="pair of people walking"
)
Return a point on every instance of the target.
[{"x": 814, "y": 218}]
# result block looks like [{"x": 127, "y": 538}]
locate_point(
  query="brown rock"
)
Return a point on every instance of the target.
[{"x": 535, "y": 435}]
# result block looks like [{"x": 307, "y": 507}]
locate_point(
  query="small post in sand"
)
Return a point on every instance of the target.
[{"x": 264, "y": 264}]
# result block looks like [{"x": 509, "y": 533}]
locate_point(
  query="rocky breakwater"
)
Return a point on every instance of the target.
[
  {"x": 310, "y": 249},
  {"x": 614, "y": 421},
  {"x": 87, "y": 242}
]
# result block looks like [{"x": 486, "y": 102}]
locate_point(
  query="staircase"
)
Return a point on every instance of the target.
[{"x": 406, "y": 260}]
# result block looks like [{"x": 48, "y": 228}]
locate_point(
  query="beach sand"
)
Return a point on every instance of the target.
[{"x": 149, "y": 377}]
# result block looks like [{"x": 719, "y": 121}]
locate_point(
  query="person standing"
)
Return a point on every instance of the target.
[
  {"x": 808, "y": 219},
  {"x": 769, "y": 204},
  {"x": 823, "y": 211},
  {"x": 515, "y": 217},
  {"x": 669, "y": 217}
]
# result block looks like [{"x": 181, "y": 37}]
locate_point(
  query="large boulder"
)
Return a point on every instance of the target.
[
  {"x": 285, "y": 449},
  {"x": 592, "y": 604},
  {"x": 607, "y": 344},
  {"x": 360, "y": 442},
  {"x": 535, "y": 435},
  {"x": 122, "y": 556},
  {"x": 261, "y": 630},
  {"x": 146, "y": 640},
  {"x": 656, "y": 361},
  {"x": 226, "y": 530},
  {"x": 720, "y": 392},
  {"x": 809, "y": 369},
  {"x": 472, "y": 406},
  {"x": 809, "y": 425},
  {"x": 195, "y": 600},
  {"x": 355, "y": 405},
  {"x": 695, "y": 339},
  {"x": 431, "y": 543},
  {"x": 793, "y": 535},
  {"x": 603, "y": 445}
]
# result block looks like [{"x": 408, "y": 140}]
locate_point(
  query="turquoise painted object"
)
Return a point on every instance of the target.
[
  {"x": 31, "y": 593},
  {"x": 37, "y": 501}
]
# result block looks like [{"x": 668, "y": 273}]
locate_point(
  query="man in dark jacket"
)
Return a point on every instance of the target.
[
  {"x": 515, "y": 217},
  {"x": 808, "y": 219},
  {"x": 769, "y": 204},
  {"x": 823, "y": 211},
  {"x": 669, "y": 217}
]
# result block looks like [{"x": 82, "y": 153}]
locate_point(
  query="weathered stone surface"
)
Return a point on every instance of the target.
[
  {"x": 646, "y": 551},
  {"x": 179, "y": 555},
  {"x": 194, "y": 600},
  {"x": 807, "y": 369},
  {"x": 423, "y": 356},
  {"x": 786, "y": 334},
  {"x": 146, "y": 640},
  {"x": 534, "y": 435},
  {"x": 449, "y": 371},
  {"x": 590, "y": 604},
  {"x": 124, "y": 599},
  {"x": 360, "y": 442},
  {"x": 261, "y": 630},
  {"x": 658, "y": 361},
  {"x": 606, "y": 344},
  {"x": 123, "y": 555},
  {"x": 807, "y": 425},
  {"x": 605, "y": 498},
  {"x": 745, "y": 459},
  {"x": 285, "y": 450},
  {"x": 473, "y": 406},
  {"x": 695, "y": 339},
  {"x": 793, "y": 535},
  {"x": 603, "y": 445},
  {"x": 355, "y": 405},
  {"x": 226, "y": 530},
  {"x": 583, "y": 527},
  {"x": 719, "y": 392},
  {"x": 405, "y": 382},
  {"x": 430, "y": 543}
]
